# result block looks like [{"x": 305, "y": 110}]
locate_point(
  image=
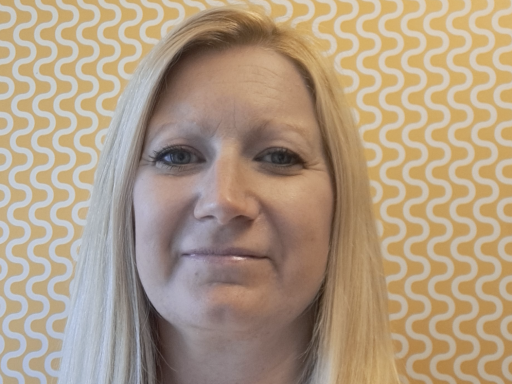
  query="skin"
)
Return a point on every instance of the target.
[{"x": 233, "y": 206}]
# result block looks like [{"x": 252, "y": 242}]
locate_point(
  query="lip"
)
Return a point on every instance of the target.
[{"x": 233, "y": 252}]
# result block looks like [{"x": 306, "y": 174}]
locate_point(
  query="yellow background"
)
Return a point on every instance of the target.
[{"x": 430, "y": 83}]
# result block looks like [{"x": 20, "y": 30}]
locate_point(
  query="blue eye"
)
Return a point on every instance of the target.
[
  {"x": 175, "y": 156},
  {"x": 280, "y": 157}
]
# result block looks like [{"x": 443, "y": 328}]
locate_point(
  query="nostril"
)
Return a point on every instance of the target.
[{"x": 225, "y": 207}]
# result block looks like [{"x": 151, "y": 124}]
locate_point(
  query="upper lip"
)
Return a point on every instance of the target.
[{"x": 227, "y": 251}]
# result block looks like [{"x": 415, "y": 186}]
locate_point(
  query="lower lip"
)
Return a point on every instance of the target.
[{"x": 222, "y": 258}]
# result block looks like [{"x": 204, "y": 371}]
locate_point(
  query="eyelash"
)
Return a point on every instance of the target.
[
  {"x": 295, "y": 158},
  {"x": 158, "y": 157}
]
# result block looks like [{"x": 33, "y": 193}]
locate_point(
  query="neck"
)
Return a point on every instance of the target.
[{"x": 266, "y": 356}]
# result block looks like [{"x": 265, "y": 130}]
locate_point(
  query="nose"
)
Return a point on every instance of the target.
[{"x": 225, "y": 193}]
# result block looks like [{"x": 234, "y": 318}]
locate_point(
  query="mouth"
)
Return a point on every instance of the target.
[{"x": 231, "y": 253}]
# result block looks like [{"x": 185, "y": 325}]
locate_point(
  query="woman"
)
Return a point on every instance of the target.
[{"x": 230, "y": 235}]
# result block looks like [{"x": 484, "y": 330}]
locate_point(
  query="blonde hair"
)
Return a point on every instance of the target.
[{"x": 110, "y": 334}]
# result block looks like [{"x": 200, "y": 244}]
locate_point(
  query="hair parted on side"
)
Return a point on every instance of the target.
[{"x": 110, "y": 334}]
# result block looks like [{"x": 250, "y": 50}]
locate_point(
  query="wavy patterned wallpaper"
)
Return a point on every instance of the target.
[{"x": 431, "y": 86}]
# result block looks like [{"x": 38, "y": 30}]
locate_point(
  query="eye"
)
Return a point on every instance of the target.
[
  {"x": 176, "y": 156},
  {"x": 280, "y": 157}
]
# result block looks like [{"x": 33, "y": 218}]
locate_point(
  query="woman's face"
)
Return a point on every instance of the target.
[{"x": 233, "y": 200}]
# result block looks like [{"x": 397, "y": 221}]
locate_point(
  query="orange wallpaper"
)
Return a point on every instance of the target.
[{"x": 431, "y": 86}]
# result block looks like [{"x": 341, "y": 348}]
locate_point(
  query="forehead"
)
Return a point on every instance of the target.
[
  {"x": 242, "y": 83},
  {"x": 234, "y": 65}
]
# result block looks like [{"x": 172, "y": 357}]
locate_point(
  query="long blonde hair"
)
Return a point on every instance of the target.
[{"x": 110, "y": 335}]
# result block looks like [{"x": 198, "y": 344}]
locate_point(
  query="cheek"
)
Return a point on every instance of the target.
[
  {"x": 157, "y": 216},
  {"x": 148, "y": 212},
  {"x": 304, "y": 234},
  {"x": 309, "y": 213},
  {"x": 159, "y": 206}
]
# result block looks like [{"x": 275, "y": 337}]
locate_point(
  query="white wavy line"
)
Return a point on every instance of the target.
[
  {"x": 289, "y": 10},
  {"x": 463, "y": 200},
  {"x": 3, "y": 43},
  {"x": 62, "y": 132},
  {"x": 326, "y": 36},
  {"x": 8, "y": 162},
  {"x": 404, "y": 304},
  {"x": 377, "y": 150},
  {"x": 58, "y": 297},
  {"x": 7, "y": 80},
  {"x": 508, "y": 145},
  {"x": 349, "y": 52},
  {"x": 28, "y": 195},
  {"x": 126, "y": 40},
  {"x": 502, "y": 204},
  {"x": 431, "y": 245},
  {"x": 386, "y": 143},
  {"x": 109, "y": 59},
  {"x": 506, "y": 240},
  {"x": 505, "y": 368},
  {"x": 9, "y": 125},
  {"x": 505, "y": 326},
  {"x": 4, "y": 235},
  {"x": 55, "y": 179},
  {"x": 195, "y": 4},
  {"x": 500, "y": 167},
  {"x": 505, "y": 294},
  {"x": 379, "y": 191},
  {"x": 385, "y": 129},
  {"x": 49, "y": 192},
  {"x": 505, "y": 31},
  {"x": 501, "y": 209},
  {"x": 498, "y": 133},
  {"x": 486, "y": 200},
  {"x": 488, "y": 278},
  {"x": 2, "y": 346},
  {"x": 374, "y": 147},
  {"x": 10, "y": 86},
  {"x": 75, "y": 214},
  {"x": 85, "y": 96},
  {"x": 99, "y": 139},
  {"x": 367, "y": 90},
  {"x": 151, "y": 23},
  {"x": 308, "y": 16},
  {"x": 400, "y": 354},
  {"x": 171, "y": 23},
  {"x": 18, "y": 278},
  {"x": 4, "y": 231},
  {"x": 409, "y": 324},
  {"x": 435, "y": 126},
  {"x": 8, "y": 24}
]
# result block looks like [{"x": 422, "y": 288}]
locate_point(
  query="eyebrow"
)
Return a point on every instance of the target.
[
  {"x": 267, "y": 128},
  {"x": 263, "y": 129},
  {"x": 182, "y": 126}
]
